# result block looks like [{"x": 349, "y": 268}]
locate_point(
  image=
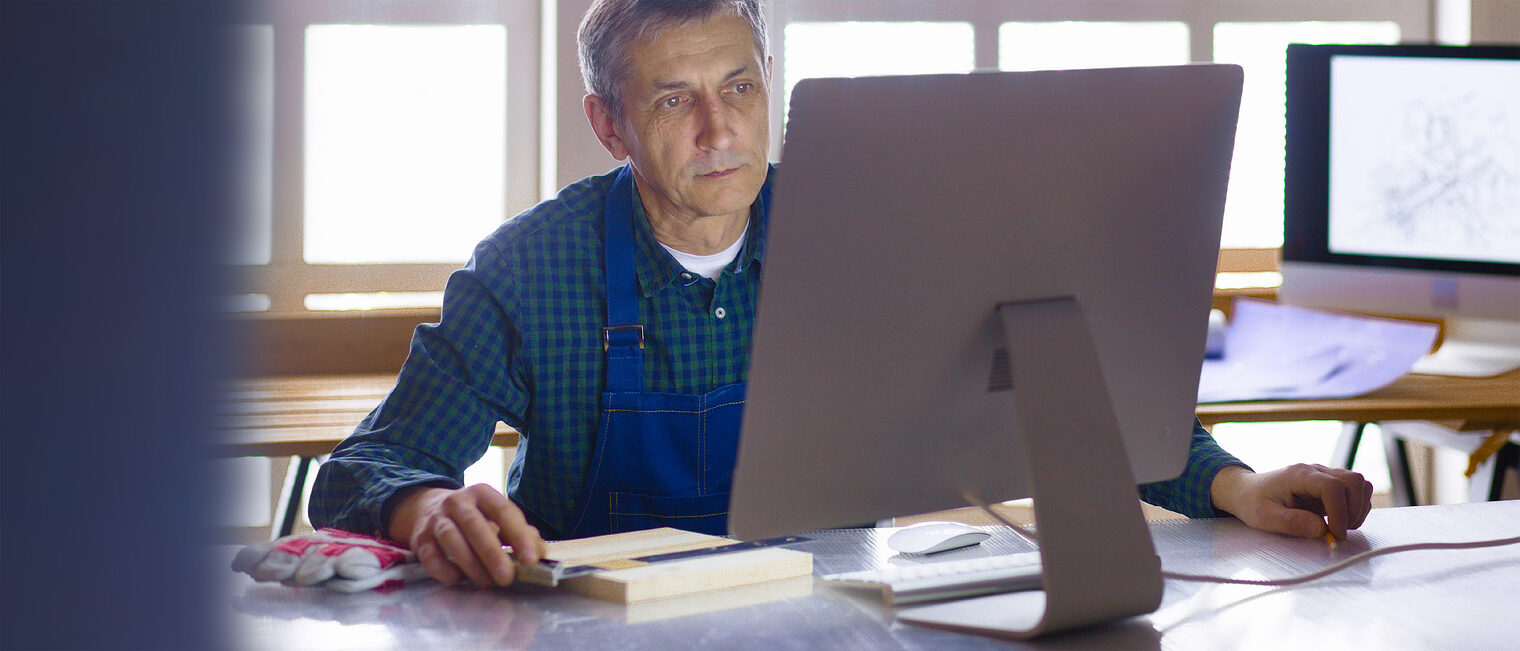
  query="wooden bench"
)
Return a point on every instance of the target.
[{"x": 302, "y": 417}]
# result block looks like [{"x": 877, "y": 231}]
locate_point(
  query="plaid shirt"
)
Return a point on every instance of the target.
[
  {"x": 519, "y": 342},
  {"x": 1188, "y": 494}
]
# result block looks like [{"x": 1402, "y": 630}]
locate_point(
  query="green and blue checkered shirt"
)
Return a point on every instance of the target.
[{"x": 519, "y": 342}]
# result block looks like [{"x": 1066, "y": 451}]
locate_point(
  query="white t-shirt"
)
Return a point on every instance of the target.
[{"x": 708, "y": 266}]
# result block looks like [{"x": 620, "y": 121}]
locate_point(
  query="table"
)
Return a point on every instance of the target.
[
  {"x": 1415, "y": 600},
  {"x": 1412, "y": 397},
  {"x": 304, "y": 417},
  {"x": 1469, "y": 404}
]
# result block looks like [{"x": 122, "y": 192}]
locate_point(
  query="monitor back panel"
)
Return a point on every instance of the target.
[{"x": 907, "y": 210}]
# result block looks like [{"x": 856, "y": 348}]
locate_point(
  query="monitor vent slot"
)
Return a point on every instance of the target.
[{"x": 1001, "y": 377}]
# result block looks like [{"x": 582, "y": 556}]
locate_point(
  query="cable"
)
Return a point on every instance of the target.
[
  {"x": 1023, "y": 532},
  {"x": 1295, "y": 580}
]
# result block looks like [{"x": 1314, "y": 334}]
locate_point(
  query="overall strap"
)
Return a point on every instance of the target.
[{"x": 623, "y": 336}]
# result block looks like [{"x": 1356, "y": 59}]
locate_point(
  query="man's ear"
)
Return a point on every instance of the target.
[{"x": 605, "y": 126}]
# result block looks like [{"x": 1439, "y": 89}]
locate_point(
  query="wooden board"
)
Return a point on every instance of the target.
[
  {"x": 669, "y": 579},
  {"x": 305, "y": 416},
  {"x": 651, "y": 610},
  {"x": 1483, "y": 401}
]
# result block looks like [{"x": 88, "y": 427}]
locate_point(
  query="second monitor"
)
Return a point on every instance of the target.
[{"x": 1402, "y": 192}]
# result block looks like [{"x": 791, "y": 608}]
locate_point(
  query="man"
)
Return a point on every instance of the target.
[{"x": 624, "y": 382}]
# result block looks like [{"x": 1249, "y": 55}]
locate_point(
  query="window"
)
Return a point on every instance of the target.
[
  {"x": 864, "y": 37},
  {"x": 405, "y": 150},
  {"x": 1091, "y": 44},
  {"x": 854, "y": 49},
  {"x": 385, "y": 137},
  {"x": 382, "y": 140},
  {"x": 1254, "y": 203}
]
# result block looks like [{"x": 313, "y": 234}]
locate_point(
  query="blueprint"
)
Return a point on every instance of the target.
[{"x": 1275, "y": 351}]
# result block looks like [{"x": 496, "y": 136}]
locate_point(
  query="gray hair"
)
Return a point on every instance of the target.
[{"x": 610, "y": 27}]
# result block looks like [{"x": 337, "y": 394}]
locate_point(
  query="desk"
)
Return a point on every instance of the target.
[
  {"x": 305, "y": 416},
  {"x": 1478, "y": 403},
  {"x": 1412, "y": 397},
  {"x": 302, "y": 416},
  {"x": 1415, "y": 600}
]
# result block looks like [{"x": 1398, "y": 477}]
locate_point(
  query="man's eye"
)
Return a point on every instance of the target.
[
  {"x": 743, "y": 87},
  {"x": 671, "y": 102}
]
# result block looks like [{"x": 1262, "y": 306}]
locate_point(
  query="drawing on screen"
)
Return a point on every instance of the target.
[{"x": 1453, "y": 182}]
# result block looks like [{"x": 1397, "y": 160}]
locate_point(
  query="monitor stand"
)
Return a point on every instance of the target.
[
  {"x": 1474, "y": 348},
  {"x": 1098, "y": 560}
]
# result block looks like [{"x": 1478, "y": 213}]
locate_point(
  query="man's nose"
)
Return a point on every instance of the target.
[{"x": 715, "y": 129}]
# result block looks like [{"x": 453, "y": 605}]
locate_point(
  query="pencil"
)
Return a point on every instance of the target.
[{"x": 1330, "y": 538}]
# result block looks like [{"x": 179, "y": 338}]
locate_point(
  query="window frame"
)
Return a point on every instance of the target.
[
  {"x": 1416, "y": 20},
  {"x": 287, "y": 278},
  {"x": 1414, "y": 17},
  {"x": 550, "y": 146}
]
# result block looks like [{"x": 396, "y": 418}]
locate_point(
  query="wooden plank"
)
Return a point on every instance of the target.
[
  {"x": 367, "y": 341},
  {"x": 293, "y": 420},
  {"x": 1412, "y": 397},
  {"x": 296, "y": 387},
  {"x": 582, "y": 551},
  {"x": 308, "y": 441},
  {"x": 302, "y": 406},
  {"x": 1249, "y": 260},
  {"x": 304, "y": 415},
  {"x": 649, "y": 610},
  {"x": 673, "y": 578}
]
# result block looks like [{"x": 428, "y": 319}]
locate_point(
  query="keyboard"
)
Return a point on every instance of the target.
[{"x": 905, "y": 584}]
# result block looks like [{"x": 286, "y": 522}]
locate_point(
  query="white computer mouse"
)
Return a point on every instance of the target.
[{"x": 931, "y": 537}]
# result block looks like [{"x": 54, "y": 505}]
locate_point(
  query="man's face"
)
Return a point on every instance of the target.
[{"x": 696, "y": 119}]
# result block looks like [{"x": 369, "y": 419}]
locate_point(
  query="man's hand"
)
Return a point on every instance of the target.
[
  {"x": 459, "y": 533},
  {"x": 1299, "y": 500}
]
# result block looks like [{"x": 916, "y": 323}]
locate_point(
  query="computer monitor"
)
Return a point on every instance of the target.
[
  {"x": 1402, "y": 193},
  {"x": 990, "y": 286}
]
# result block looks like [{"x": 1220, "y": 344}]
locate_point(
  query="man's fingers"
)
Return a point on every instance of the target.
[
  {"x": 1346, "y": 497},
  {"x": 1342, "y": 496},
  {"x": 432, "y": 559},
  {"x": 1362, "y": 504},
  {"x": 1300, "y": 500},
  {"x": 484, "y": 538},
  {"x": 459, "y": 533},
  {"x": 1277, "y": 518},
  {"x": 526, "y": 544},
  {"x": 1358, "y": 495},
  {"x": 1335, "y": 498},
  {"x": 524, "y": 538},
  {"x": 458, "y": 551}
]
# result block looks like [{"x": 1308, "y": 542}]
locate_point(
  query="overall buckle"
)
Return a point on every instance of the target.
[{"x": 607, "y": 335}]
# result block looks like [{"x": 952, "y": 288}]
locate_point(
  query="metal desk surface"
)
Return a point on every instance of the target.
[{"x": 1463, "y": 599}]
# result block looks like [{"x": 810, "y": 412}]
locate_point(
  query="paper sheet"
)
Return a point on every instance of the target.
[{"x": 1275, "y": 351}]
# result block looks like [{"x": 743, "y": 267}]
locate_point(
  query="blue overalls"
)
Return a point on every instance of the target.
[{"x": 661, "y": 459}]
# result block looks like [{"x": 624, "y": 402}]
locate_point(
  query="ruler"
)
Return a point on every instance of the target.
[{"x": 550, "y": 572}]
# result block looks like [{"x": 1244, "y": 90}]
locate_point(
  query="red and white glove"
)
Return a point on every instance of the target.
[{"x": 343, "y": 561}]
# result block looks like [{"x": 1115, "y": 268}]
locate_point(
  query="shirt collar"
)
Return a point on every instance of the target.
[{"x": 656, "y": 268}]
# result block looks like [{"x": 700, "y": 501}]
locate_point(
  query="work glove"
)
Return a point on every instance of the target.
[{"x": 343, "y": 561}]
